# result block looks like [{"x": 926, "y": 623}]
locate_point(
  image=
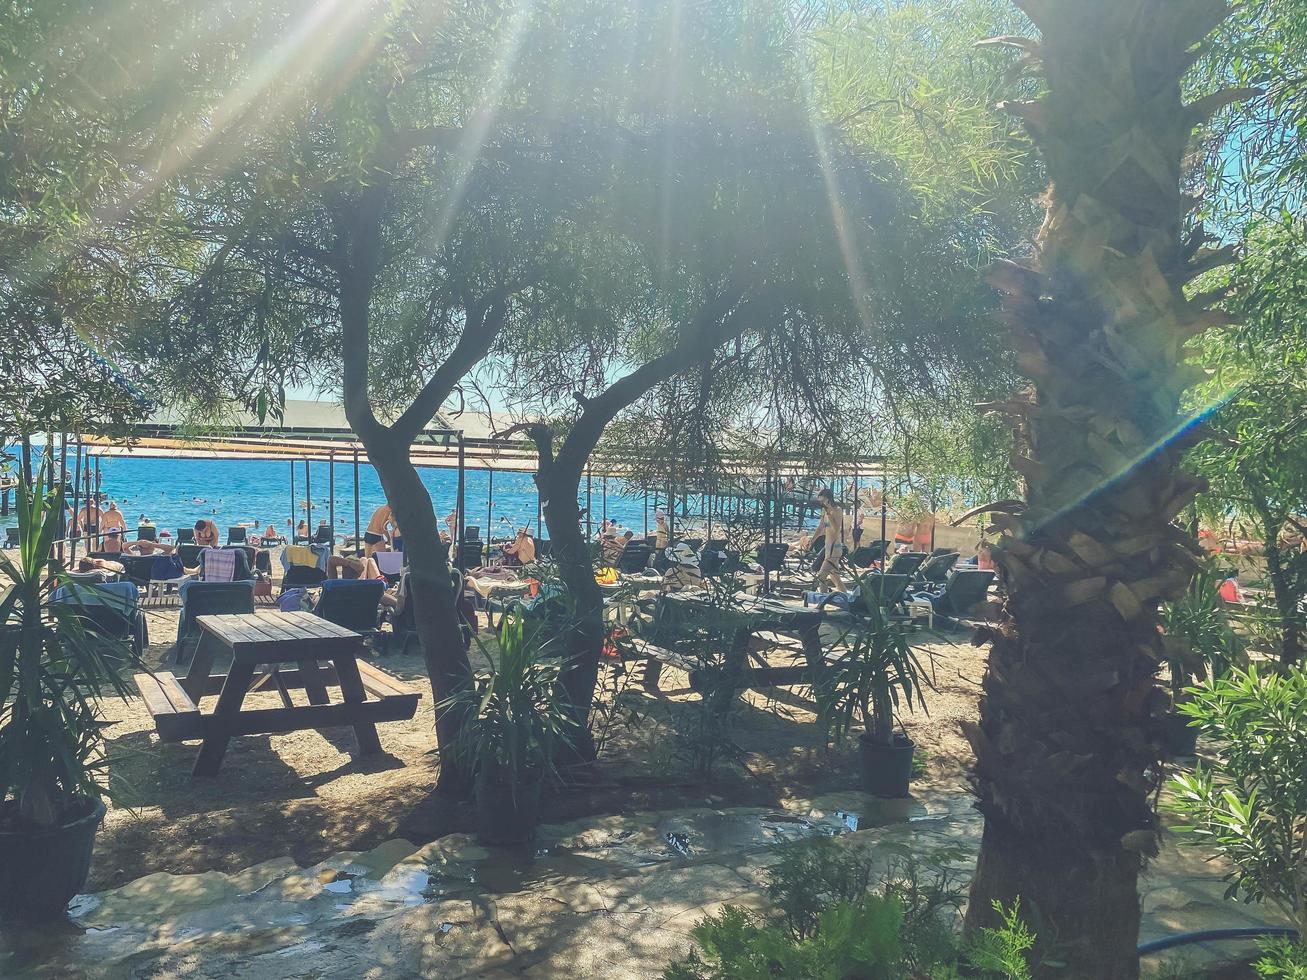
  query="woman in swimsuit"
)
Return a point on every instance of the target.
[{"x": 833, "y": 550}]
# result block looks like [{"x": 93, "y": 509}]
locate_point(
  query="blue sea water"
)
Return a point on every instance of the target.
[{"x": 174, "y": 493}]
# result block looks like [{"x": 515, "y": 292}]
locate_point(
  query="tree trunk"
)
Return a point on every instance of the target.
[
  {"x": 431, "y": 593},
  {"x": 1286, "y": 598},
  {"x": 571, "y": 552},
  {"x": 1071, "y": 718}
]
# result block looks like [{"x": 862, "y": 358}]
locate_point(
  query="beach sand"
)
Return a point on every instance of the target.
[{"x": 306, "y": 795}]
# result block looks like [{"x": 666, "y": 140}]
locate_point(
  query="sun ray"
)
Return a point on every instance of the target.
[{"x": 483, "y": 116}]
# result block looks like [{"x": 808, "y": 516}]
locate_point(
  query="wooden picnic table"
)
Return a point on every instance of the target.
[
  {"x": 269, "y": 640},
  {"x": 757, "y": 615}
]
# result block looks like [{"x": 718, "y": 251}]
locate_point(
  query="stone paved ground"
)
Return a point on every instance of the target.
[{"x": 603, "y": 897}]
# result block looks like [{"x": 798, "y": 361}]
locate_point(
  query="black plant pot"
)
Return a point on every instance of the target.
[
  {"x": 886, "y": 769},
  {"x": 503, "y": 816},
  {"x": 41, "y": 870},
  {"x": 1181, "y": 738}
]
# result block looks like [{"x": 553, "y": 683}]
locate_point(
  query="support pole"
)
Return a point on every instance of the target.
[
  {"x": 77, "y": 479},
  {"x": 589, "y": 518},
  {"x": 766, "y": 530},
  {"x": 604, "y": 492},
  {"x": 490, "y": 508},
  {"x": 358, "y": 532},
  {"x": 291, "y": 537},
  {"x": 331, "y": 490},
  {"x": 308, "y": 501},
  {"x": 884, "y": 513},
  {"x": 86, "y": 480},
  {"x": 646, "y": 513},
  {"x": 458, "y": 526},
  {"x": 857, "y": 534}
]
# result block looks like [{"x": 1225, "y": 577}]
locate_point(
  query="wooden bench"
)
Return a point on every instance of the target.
[
  {"x": 175, "y": 714},
  {"x": 273, "y": 641}
]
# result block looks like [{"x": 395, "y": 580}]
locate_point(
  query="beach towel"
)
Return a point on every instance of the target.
[
  {"x": 166, "y": 568},
  {"x": 219, "y": 564},
  {"x": 298, "y": 554}
]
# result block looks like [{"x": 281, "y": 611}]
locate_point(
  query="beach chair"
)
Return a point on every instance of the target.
[
  {"x": 166, "y": 571},
  {"x": 544, "y": 547},
  {"x": 712, "y": 560},
  {"x": 185, "y": 535},
  {"x": 389, "y": 564},
  {"x": 865, "y": 555},
  {"x": 189, "y": 554},
  {"x": 965, "y": 588},
  {"x": 209, "y": 599},
  {"x": 324, "y": 535},
  {"x": 472, "y": 554},
  {"x": 906, "y": 563},
  {"x": 302, "y": 576},
  {"x": 135, "y": 567},
  {"x": 892, "y": 588},
  {"x": 109, "y": 609},
  {"x": 147, "y": 532},
  {"x": 351, "y": 603},
  {"x": 694, "y": 543},
  {"x": 936, "y": 568},
  {"x": 472, "y": 532},
  {"x": 402, "y": 625},
  {"x": 772, "y": 556},
  {"x": 235, "y": 535},
  {"x": 240, "y": 566},
  {"x": 634, "y": 558},
  {"x": 11, "y": 537}
]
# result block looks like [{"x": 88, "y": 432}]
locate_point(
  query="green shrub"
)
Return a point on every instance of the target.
[
  {"x": 1249, "y": 806},
  {"x": 1001, "y": 951},
  {"x": 1282, "y": 959},
  {"x": 833, "y": 919}
]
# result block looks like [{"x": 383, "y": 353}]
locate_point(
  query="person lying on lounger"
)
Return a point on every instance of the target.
[
  {"x": 149, "y": 548},
  {"x": 365, "y": 568},
  {"x": 99, "y": 565}
]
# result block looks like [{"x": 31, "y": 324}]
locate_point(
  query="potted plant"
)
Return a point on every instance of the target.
[
  {"x": 1199, "y": 643},
  {"x": 871, "y": 672},
  {"x": 52, "y": 677},
  {"x": 515, "y": 724}
]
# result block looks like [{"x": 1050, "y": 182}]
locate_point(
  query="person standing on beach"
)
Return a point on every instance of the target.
[
  {"x": 833, "y": 531},
  {"x": 112, "y": 520},
  {"x": 662, "y": 533},
  {"x": 378, "y": 531},
  {"x": 88, "y": 523}
]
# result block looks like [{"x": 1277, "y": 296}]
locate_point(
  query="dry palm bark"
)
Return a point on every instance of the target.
[{"x": 1069, "y": 736}]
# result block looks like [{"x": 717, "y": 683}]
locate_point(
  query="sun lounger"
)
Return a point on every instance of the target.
[
  {"x": 906, "y": 563},
  {"x": 110, "y": 609},
  {"x": 209, "y": 598},
  {"x": 936, "y": 568},
  {"x": 351, "y": 603}
]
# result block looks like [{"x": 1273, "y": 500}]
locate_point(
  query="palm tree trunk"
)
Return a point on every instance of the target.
[{"x": 1070, "y": 729}]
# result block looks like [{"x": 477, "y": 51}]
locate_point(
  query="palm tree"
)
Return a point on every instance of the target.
[{"x": 1070, "y": 733}]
